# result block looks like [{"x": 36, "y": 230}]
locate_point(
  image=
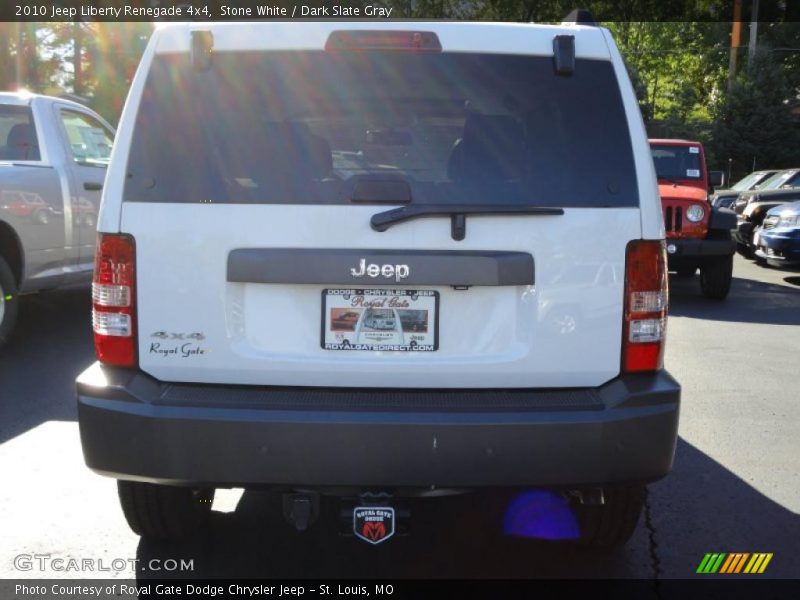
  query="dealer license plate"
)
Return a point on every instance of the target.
[{"x": 380, "y": 320}]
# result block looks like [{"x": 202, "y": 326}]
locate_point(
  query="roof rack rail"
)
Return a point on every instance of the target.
[{"x": 580, "y": 16}]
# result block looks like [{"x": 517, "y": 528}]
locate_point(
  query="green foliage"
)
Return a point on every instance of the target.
[
  {"x": 752, "y": 124},
  {"x": 680, "y": 71},
  {"x": 680, "y": 66},
  {"x": 41, "y": 57},
  {"x": 111, "y": 61}
]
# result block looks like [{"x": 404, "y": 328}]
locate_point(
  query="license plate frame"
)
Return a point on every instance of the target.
[{"x": 359, "y": 319}]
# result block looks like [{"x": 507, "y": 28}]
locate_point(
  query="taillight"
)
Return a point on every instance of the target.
[
  {"x": 646, "y": 297},
  {"x": 113, "y": 293}
]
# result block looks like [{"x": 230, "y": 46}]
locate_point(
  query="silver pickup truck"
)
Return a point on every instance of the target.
[{"x": 53, "y": 159}]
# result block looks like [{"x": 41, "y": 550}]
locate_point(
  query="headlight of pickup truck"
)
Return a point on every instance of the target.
[{"x": 695, "y": 213}]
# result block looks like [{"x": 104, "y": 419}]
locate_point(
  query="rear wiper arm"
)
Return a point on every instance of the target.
[{"x": 457, "y": 213}]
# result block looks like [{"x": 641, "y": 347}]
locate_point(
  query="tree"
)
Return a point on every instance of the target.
[
  {"x": 6, "y": 61},
  {"x": 112, "y": 54},
  {"x": 753, "y": 125},
  {"x": 680, "y": 65},
  {"x": 95, "y": 60}
]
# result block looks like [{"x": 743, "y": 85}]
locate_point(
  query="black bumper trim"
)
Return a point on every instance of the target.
[
  {"x": 701, "y": 248},
  {"x": 355, "y": 399},
  {"x": 131, "y": 430}
]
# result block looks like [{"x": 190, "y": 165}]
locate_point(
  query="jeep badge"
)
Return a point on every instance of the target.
[{"x": 399, "y": 272}]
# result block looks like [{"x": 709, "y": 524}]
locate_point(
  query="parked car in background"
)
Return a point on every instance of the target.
[
  {"x": 786, "y": 180},
  {"x": 698, "y": 235},
  {"x": 53, "y": 159},
  {"x": 777, "y": 241},
  {"x": 724, "y": 198},
  {"x": 752, "y": 215}
]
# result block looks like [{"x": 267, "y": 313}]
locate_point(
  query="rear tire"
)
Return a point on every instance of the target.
[
  {"x": 9, "y": 301},
  {"x": 716, "y": 277},
  {"x": 611, "y": 525},
  {"x": 162, "y": 512}
]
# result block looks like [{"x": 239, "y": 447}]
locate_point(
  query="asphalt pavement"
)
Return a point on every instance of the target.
[{"x": 735, "y": 486}]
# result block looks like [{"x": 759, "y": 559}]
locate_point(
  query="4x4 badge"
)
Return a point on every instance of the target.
[
  {"x": 165, "y": 335},
  {"x": 373, "y": 524}
]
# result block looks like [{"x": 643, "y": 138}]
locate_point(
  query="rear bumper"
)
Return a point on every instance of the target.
[
  {"x": 134, "y": 427},
  {"x": 678, "y": 250}
]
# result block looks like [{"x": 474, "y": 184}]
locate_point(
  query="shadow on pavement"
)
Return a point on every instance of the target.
[
  {"x": 703, "y": 507},
  {"x": 51, "y": 345},
  {"x": 749, "y": 301},
  {"x": 452, "y": 537}
]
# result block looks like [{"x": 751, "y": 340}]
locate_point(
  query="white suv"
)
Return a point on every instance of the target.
[{"x": 271, "y": 182}]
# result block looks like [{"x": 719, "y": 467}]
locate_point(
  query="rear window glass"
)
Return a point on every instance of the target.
[
  {"x": 677, "y": 162},
  {"x": 305, "y": 127},
  {"x": 18, "y": 141}
]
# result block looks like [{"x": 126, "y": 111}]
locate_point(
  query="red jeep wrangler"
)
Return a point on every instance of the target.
[{"x": 698, "y": 235}]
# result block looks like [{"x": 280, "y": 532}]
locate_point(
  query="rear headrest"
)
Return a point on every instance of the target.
[
  {"x": 492, "y": 148},
  {"x": 21, "y": 143}
]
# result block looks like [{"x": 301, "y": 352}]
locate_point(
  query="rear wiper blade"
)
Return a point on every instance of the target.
[{"x": 457, "y": 212}]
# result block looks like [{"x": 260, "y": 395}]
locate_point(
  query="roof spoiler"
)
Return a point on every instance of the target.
[{"x": 579, "y": 16}]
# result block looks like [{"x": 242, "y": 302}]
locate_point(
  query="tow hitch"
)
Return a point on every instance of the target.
[
  {"x": 301, "y": 509},
  {"x": 373, "y": 518}
]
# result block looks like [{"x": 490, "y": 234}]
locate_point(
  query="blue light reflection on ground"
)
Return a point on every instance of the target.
[{"x": 541, "y": 514}]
